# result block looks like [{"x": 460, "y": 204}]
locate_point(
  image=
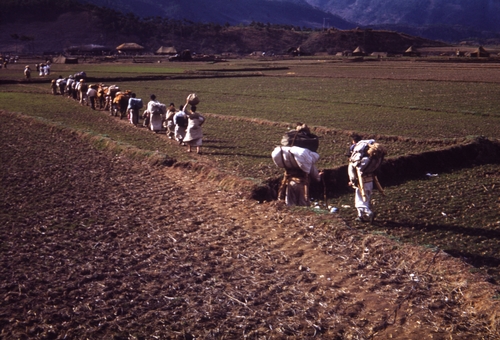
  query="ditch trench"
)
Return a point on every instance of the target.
[{"x": 395, "y": 171}]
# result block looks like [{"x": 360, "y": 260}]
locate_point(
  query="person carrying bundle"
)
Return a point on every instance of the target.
[
  {"x": 27, "y": 72},
  {"x": 169, "y": 124},
  {"x": 300, "y": 169},
  {"x": 153, "y": 115},
  {"x": 365, "y": 160},
  {"x": 194, "y": 131},
  {"x": 134, "y": 105}
]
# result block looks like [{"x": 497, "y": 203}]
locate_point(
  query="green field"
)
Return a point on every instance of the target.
[{"x": 410, "y": 107}]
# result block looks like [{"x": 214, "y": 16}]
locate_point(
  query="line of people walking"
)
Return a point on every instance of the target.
[{"x": 183, "y": 125}]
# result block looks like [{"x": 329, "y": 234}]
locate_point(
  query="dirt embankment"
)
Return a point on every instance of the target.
[
  {"x": 95, "y": 245},
  {"x": 398, "y": 170}
]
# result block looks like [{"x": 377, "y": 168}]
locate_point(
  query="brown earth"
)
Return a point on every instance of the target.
[{"x": 98, "y": 246}]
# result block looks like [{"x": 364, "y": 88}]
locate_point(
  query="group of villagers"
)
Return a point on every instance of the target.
[
  {"x": 43, "y": 69},
  {"x": 298, "y": 156},
  {"x": 183, "y": 124}
]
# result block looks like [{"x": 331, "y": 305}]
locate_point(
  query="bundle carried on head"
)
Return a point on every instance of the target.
[{"x": 193, "y": 99}]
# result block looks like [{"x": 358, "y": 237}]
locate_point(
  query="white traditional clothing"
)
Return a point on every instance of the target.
[
  {"x": 362, "y": 204},
  {"x": 299, "y": 164},
  {"x": 180, "y": 127},
  {"x": 169, "y": 124},
  {"x": 134, "y": 104},
  {"x": 156, "y": 110},
  {"x": 155, "y": 123},
  {"x": 194, "y": 132}
]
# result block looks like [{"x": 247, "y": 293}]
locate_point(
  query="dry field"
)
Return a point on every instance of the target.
[{"x": 101, "y": 240}]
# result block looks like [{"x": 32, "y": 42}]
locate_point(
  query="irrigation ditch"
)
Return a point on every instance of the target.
[{"x": 395, "y": 171}]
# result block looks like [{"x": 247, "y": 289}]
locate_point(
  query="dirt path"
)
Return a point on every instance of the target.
[{"x": 97, "y": 246}]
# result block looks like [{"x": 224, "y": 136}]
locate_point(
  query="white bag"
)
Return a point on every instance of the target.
[{"x": 294, "y": 157}]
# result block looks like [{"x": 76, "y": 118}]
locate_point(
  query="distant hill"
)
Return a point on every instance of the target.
[
  {"x": 481, "y": 15},
  {"x": 289, "y": 12},
  {"x": 447, "y": 20},
  {"x": 68, "y": 23},
  {"x": 450, "y": 21}
]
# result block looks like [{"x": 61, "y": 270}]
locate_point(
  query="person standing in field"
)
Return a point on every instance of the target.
[
  {"x": 92, "y": 95},
  {"x": 194, "y": 132},
  {"x": 69, "y": 86},
  {"x": 61, "y": 84},
  {"x": 53, "y": 86},
  {"x": 365, "y": 160},
  {"x": 27, "y": 72},
  {"x": 299, "y": 162},
  {"x": 154, "y": 114},
  {"x": 134, "y": 105},
  {"x": 181, "y": 123},
  {"x": 169, "y": 121},
  {"x": 83, "y": 88}
]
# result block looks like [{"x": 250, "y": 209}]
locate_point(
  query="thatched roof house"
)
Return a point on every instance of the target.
[
  {"x": 359, "y": 51},
  {"x": 480, "y": 52},
  {"x": 61, "y": 59},
  {"x": 411, "y": 52},
  {"x": 130, "y": 47}
]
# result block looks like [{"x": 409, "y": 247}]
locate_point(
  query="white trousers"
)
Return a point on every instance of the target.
[{"x": 363, "y": 206}]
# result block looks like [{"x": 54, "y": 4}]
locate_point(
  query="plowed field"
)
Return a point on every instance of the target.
[{"x": 102, "y": 247}]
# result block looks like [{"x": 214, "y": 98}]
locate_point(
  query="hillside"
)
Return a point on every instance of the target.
[
  {"x": 436, "y": 20},
  {"x": 291, "y": 12},
  {"x": 481, "y": 15},
  {"x": 110, "y": 28}
]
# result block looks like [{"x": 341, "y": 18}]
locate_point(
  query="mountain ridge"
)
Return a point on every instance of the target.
[{"x": 436, "y": 20}]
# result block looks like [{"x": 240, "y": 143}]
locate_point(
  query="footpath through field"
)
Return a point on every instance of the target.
[{"x": 99, "y": 246}]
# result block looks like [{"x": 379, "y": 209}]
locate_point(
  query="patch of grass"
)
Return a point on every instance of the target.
[{"x": 457, "y": 212}]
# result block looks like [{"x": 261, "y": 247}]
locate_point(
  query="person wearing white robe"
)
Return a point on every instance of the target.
[
  {"x": 180, "y": 121},
  {"x": 194, "y": 132}
]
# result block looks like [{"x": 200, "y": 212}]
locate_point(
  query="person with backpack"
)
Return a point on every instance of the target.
[
  {"x": 82, "y": 92},
  {"x": 366, "y": 158},
  {"x": 69, "y": 86},
  {"x": 134, "y": 105},
  {"x": 153, "y": 114},
  {"x": 61, "y": 84},
  {"x": 181, "y": 123},
  {"x": 169, "y": 124},
  {"x": 299, "y": 161}
]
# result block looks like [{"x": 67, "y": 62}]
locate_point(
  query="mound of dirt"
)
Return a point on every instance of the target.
[{"x": 95, "y": 245}]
